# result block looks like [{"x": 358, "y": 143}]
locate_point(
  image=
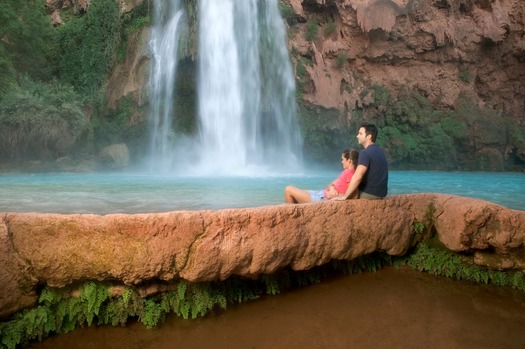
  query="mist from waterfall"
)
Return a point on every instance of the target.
[
  {"x": 247, "y": 122},
  {"x": 164, "y": 53}
]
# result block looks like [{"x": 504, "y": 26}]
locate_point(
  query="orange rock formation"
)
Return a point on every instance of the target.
[{"x": 58, "y": 250}]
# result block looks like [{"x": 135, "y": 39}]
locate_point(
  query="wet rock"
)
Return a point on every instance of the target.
[
  {"x": 139, "y": 249},
  {"x": 115, "y": 156}
]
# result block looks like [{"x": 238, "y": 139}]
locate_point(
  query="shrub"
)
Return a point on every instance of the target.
[
  {"x": 87, "y": 46},
  {"x": 26, "y": 42},
  {"x": 465, "y": 76},
  {"x": 330, "y": 28},
  {"x": 287, "y": 13},
  {"x": 311, "y": 30},
  {"x": 340, "y": 60},
  {"x": 40, "y": 120}
]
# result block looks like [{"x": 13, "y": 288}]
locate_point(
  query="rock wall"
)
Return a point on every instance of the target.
[
  {"x": 58, "y": 250},
  {"x": 440, "y": 48},
  {"x": 427, "y": 45}
]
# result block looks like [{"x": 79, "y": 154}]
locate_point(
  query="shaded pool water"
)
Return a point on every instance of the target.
[{"x": 390, "y": 308}]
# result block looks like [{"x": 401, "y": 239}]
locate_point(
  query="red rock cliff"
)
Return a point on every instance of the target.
[{"x": 439, "y": 47}]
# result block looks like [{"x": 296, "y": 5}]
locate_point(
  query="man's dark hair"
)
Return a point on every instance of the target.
[{"x": 371, "y": 130}]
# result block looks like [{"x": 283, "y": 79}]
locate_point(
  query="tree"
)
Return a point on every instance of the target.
[
  {"x": 87, "y": 46},
  {"x": 26, "y": 40}
]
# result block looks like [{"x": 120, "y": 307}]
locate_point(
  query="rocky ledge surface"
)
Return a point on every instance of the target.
[{"x": 58, "y": 250}]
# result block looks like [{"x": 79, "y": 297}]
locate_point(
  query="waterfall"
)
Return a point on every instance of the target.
[
  {"x": 246, "y": 93},
  {"x": 164, "y": 53},
  {"x": 247, "y": 112}
]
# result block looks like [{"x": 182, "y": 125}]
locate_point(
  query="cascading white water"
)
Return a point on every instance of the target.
[
  {"x": 246, "y": 92},
  {"x": 164, "y": 49},
  {"x": 247, "y": 113}
]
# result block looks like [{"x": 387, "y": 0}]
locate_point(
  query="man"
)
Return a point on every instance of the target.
[{"x": 370, "y": 180}]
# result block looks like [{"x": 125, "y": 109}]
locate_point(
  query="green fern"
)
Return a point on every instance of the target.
[
  {"x": 184, "y": 310},
  {"x": 49, "y": 297},
  {"x": 271, "y": 284},
  {"x": 127, "y": 295},
  {"x": 92, "y": 296},
  {"x": 221, "y": 301},
  {"x": 11, "y": 334},
  {"x": 518, "y": 281},
  {"x": 153, "y": 313},
  {"x": 181, "y": 289},
  {"x": 418, "y": 227},
  {"x": 447, "y": 263},
  {"x": 200, "y": 301}
]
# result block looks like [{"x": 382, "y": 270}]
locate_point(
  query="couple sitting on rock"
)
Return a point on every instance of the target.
[{"x": 365, "y": 174}]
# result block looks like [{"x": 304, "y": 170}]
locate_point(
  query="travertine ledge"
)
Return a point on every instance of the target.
[{"x": 58, "y": 250}]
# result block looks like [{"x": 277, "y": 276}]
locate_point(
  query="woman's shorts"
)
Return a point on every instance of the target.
[{"x": 317, "y": 195}]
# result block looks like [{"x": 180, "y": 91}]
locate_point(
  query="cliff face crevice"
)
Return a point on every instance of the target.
[{"x": 135, "y": 249}]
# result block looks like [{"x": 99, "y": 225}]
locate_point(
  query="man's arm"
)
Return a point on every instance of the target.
[{"x": 354, "y": 182}]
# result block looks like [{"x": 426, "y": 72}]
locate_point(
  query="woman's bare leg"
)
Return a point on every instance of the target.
[{"x": 293, "y": 195}]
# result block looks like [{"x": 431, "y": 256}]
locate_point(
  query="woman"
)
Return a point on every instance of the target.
[{"x": 293, "y": 195}]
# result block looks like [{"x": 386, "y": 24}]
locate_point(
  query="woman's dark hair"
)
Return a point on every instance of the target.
[{"x": 351, "y": 154}]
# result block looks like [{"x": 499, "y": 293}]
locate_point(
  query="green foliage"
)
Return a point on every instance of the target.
[
  {"x": 26, "y": 41},
  {"x": 340, "y": 60},
  {"x": 367, "y": 263},
  {"x": 274, "y": 284},
  {"x": 300, "y": 69},
  {"x": 117, "y": 310},
  {"x": 87, "y": 46},
  {"x": 93, "y": 295},
  {"x": 330, "y": 28},
  {"x": 418, "y": 227},
  {"x": 312, "y": 28},
  {"x": 114, "y": 126},
  {"x": 429, "y": 215},
  {"x": 454, "y": 128},
  {"x": 381, "y": 95},
  {"x": 132, "y": 22},
  {"x": 287, "y": 12},
  {"x": 452, "y": 265},
  {"x": 465, "y": 76},
  {"x": 482, "y": 122},
  {"x": 483, "y": 125},
  {"x": 320, "y": 139},
  {"x": 413, "y": 134},
  {"x": 7, "y": 72},
  {"x": 153, "y": 313},
  {"x": 40, "y": 120}
]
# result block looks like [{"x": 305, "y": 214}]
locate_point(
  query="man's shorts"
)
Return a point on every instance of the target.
[{"x": 363, "y": 195}]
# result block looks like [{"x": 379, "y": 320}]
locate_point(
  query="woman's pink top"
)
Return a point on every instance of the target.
[{"x": 341, "y": 183}]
